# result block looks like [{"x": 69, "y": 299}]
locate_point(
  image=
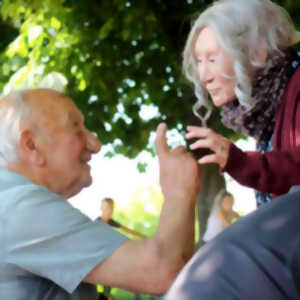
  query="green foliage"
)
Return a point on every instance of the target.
[
  {"x": 114, "y": 58},
  {"x": 117, "y": 58},
  {"x": 142, "y": 212},
  {"x": 120, "y": 294}
]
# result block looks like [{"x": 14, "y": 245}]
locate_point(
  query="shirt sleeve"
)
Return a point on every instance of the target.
[{"x": 48, "y": 237}]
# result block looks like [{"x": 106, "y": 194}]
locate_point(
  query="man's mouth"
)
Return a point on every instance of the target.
[{"x": 85, "y": 162}]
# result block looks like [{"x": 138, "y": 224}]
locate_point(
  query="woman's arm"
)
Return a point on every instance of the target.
[{"x": 273, "y": 172}]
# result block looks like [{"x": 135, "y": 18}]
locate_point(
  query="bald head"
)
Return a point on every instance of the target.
[
  {"x": 28, "y": 98},
  {"x": 48, "y": 109},
  {"x": 37, "y": 98}
]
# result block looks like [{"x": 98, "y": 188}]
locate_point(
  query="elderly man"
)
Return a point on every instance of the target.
[{"x": 49, "y": 250}]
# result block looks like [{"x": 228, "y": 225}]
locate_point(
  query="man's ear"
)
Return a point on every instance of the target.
[{"x": 29, "y": 150}]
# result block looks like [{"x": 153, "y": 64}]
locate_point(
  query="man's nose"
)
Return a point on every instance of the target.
[{"x": 93, "y": 143}]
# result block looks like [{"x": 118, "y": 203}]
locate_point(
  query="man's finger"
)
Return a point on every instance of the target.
[
  {"x": 161, "y": 145},
  {"x": 179, "y": 149}
]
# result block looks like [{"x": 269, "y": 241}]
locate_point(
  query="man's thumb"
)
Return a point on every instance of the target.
[{"x": 161, "y": 141}]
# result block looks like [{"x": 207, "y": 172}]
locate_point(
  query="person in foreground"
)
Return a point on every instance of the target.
[
  {"x": 49, "y": 250},
  {"x": 245, "y": 56},
  {"x": 257, "y": 257}
]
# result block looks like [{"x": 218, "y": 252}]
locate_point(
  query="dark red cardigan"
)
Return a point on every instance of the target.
[{"x": 276, "y": 171}]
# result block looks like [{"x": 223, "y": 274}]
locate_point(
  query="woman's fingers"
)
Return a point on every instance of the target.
[
  {"x": 198, "y": 132},
  {"x": 207, "y": 138},
  {"x": 208, "y": 159}
]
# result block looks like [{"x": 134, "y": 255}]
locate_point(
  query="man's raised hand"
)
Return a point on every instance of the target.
[{"x": 179, "y": 171}]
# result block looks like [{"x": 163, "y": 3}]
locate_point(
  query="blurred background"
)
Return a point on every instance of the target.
[{"x": 120, "y": 61}]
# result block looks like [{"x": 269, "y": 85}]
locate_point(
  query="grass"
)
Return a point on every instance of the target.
[{"x": 120, "y": 294}]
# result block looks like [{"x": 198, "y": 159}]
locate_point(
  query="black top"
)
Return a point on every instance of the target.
[{"x": 112, "y": 223}]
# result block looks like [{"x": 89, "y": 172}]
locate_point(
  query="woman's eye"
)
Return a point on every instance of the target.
[{"x": 212, "y": 60}]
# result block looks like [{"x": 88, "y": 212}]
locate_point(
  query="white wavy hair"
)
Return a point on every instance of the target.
[
  {"x": 14, "y": 109},
  {"x": 240, "y": 25}
]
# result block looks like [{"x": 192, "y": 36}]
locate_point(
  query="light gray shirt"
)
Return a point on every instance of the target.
[{"x": 47, "y": 247}]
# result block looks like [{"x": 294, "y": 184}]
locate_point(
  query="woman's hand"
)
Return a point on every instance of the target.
[{"x": 207, "y": 138}]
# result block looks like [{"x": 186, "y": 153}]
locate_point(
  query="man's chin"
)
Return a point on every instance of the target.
[
  {"x": 76, "y": 191},
  {"x": 87, "y": 181}
]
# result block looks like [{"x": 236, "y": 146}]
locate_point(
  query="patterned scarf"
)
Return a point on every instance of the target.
[{"x": 268, "y": 88}]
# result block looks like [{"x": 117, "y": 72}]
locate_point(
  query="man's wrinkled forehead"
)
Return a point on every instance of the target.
[
  {"x": 44, "y": 97},
  {"x": 52, "y": 101},
  {"x": 52, "y": 109}
]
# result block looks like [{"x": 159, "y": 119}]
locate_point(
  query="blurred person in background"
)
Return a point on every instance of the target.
[{"x": 221, "y": 216}]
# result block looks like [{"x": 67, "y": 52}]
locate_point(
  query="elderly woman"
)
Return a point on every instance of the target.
[{"x": 243, "y": 55}]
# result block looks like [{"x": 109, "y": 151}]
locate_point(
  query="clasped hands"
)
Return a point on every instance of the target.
[
  {"x": 207, "y": 138},
  {"x": 179, "y": 171}
]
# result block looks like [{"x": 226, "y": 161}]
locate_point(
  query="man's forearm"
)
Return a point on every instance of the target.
[{"x": 176, "y": 231}]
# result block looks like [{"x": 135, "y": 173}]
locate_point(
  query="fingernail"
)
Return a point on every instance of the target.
[{"x": 161, "y": 125}]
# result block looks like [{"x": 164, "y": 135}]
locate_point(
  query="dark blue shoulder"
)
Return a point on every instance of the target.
[{"x": 294, "y": 59}]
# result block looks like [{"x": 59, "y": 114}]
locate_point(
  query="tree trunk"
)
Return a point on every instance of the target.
[{"x": 211, "y": 183}]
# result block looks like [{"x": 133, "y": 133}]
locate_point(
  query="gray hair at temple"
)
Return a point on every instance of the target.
[
  {"x": 240, "y": 26},
  {"x": 13, "y": 111}
]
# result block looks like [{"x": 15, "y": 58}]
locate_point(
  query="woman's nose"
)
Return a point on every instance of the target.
[{"x": 205, "y": 74}]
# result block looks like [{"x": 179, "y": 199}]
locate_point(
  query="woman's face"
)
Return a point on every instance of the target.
[{"x": 215, "y": 67}]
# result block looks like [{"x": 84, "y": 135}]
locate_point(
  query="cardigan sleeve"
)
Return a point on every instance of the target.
[
  {"x": 276, "y": 171},
  {"x": 272, "y": 172}
]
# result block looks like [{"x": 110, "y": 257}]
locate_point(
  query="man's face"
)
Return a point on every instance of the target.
[
  {"x": 215, "y": 67},
  {"x": 65, "y": 143}
]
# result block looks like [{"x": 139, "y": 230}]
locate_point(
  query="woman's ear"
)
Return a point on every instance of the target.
[
  {"x": 260, "y": 53},
  {"x": 28, "y": 149}
]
